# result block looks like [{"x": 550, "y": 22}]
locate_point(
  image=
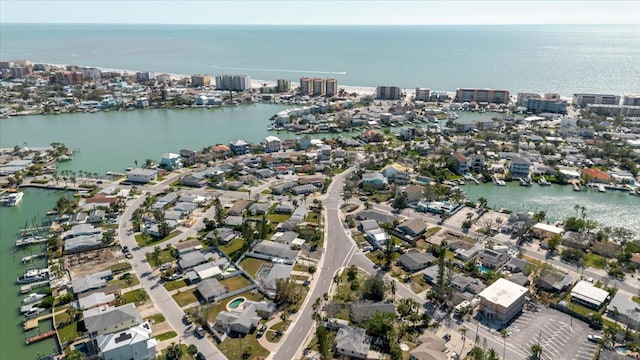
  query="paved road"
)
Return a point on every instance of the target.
[
  {"x": 158, "y": 294},
  {"x": 338, "y": 249}
]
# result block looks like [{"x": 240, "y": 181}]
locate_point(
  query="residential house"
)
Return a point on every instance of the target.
[
  {"x": 467, "y": 284},
  {"x": 210, "y": 289},
  {"x": 94, "y": 299},
  {"x": 430, "y": 347},
  {"x": 397, "y": 174},
  {"x": 414, "y": 261},
  {"x": 622, "y": 308},
  {"x": 378, "y": 216},
  {"x": 577, "y": 240},
  {"x": 519, "y": 167},
  {"x": 171, "y": 161},
  {"x": 374, "y": 179},
  {"x": 278, "y": 271},
  {"x": 297, "y": 218},
  {"x": 133, "y": 343},
  {"x": 191, "y": 259},
  {"x": 82, "y": 243},
  {"x": 304, "y": 189},
  {"x": 352, "y": 342},
  {"x": 493, "y": 259},
  {"x": 90, "y": 282},
  {"x": 103, "y": 321},
  {"x": 276, "y": 250},
  {"x": 377, "y": 237},
  {"x": 166, "y": 200},
  {"x": 555, "y": 282},
  {"x": 545, "y": 231},
  {"x": 96, "y": 216},
  {"x": 238, "y": 207},
  {"x": 239, "y": 147},
  {"x": 371, "y": 135},
  {"x": 476, "y": 162},
  {"x": 189, "y": 157},
  {"x": 258, "y": 209},
  {"x": 466, "y": 251},
  {"x": 367, "y": 225},
  {"x": 412, "y": 229},
  {"x": 414, "y": 193},
  {"x": 221, "y": 152},
  {"x": 284, "y": 208},
  {"x": 585, "y": 293},
  {"x": 272, "y": 144},
  {"x": 461, "y": 163},
  {"x": 138, "y": 175},
  {"x": 239, "y": 321}
]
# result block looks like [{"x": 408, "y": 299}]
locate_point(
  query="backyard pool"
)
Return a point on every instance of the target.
[
  {"x": 235, "y": 303},
  {"x": 482, "y": 269}
]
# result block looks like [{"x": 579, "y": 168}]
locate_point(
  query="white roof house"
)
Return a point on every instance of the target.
[
  {"x": 586, "y": 294},
  {"x": 133, "y": 343}
]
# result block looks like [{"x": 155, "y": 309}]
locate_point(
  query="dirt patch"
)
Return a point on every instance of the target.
[{"x": 91, "y": 261}]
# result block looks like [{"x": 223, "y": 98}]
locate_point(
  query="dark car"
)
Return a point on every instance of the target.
[
  {"x": 447, "y": 337},
  {"x": 200, "y": 356}
]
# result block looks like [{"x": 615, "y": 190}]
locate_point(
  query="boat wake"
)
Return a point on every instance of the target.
[{"x": 281, "y": 70}]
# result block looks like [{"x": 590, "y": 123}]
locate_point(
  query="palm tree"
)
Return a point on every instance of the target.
[
  {"x": 463, "y": 331},
  {"x": 504, "y": 335},
  {"x": 536, "y": 349},
  {"x": 392, "y": 287}
]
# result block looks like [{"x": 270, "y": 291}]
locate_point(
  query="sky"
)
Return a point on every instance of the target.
[{"x": 320, "y": 12}]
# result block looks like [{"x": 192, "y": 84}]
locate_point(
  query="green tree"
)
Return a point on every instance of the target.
[
  {"x": 352, "y": 273},
  {"x": 381, "y": 324},
  {"x": 75, "y": 355},
  {"x": 192, "y": 349},
  {"x": 373, "y": 288},
  {"x": 536, "y": 350},
  {"x": 323, "y": 342}
]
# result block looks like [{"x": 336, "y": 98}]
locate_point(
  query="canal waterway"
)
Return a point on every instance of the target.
[
  {"x": 34, "y": 205},
  {"x": 611, "y": 208}
]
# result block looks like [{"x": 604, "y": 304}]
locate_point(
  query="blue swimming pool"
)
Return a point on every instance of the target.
[{"x": 235, "y": 303}]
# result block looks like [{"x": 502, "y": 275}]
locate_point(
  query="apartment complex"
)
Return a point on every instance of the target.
[
  {"x": 233, "y": 82},
  {"x": 631, "y": 100},
  {"x": 482, "y": 96},
  {"x": 318, "y": 87},
  {"x": 284, "y": 85},
  {"x": 422, "y": 94},
  {"x": 388, "y": 93},
  {"x": 200, "y": 80},
  {"x": 600, "y": 99},
  {"x": 546, "y": 105}
]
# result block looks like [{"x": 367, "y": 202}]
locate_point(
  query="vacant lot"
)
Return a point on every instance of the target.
[
  {"x": 251, "y": 265},
  {"x": 235, "y": 283}
]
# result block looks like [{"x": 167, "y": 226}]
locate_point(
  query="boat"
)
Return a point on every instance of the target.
[
  {"x": 601, "y": 188},
  {"x": 33, "y": 312},
  {"x": 64, "y": 158},
  {"x": 12, "y": 199},
  {"x": 33, "y": 275},
  {"x": 543, "y": 182},
  {"x": 32, "y": 298},
  {"x": 525, "y": 182}
]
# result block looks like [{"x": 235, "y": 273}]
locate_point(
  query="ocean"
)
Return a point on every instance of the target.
[{"x": 520, "y": 58}]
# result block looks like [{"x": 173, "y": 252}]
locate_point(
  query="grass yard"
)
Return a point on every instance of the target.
[
  {"x": 595, "y": 261},
  {"x": 233, "y": 348},
  {"x": 62, "y": 318},
  {"x": 251, "y": 265},
  {"x": 165, "y": 336},
  {"x": 418, "y": 284},
  {"x": 175, "y": 285},
  {"x": 302, "y": 268},
  {"x": 149, "y": 240},
  {"x": 281, "y": 326},
  {"x": 636, "y": 299},
  {"x": 278, "y": 218},
  {"x": 135, "y": 296},
  {"x": 313, "y": 218},
  {"x": 155, "y": 319},
  {"x": 299, "y": 278},
  {"x": 120, "y": 267},
  {"x": 431, "y": 231},
  {"x": 345, "y": 293},
  {"x": 235, "y": 283},
  {"x": 163, "y": 257},
  {"x": 125, "y": 280},
  {"x": 185, "y": 298},
  {"x": 232, "y": 246},
  {"x": 69, "y": 332}
]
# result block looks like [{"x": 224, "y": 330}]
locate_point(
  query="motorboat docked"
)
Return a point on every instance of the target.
[
  {"x": 12, "y": 199},
  {"x": 33, "y": 275},
  {"x": 33, "y": 312},
  {"x": 543, "y": 182},
  {"x": 601, "y": 188},
  {"x": 32, "y": 298},
  {"x": 525, "y": 182}
]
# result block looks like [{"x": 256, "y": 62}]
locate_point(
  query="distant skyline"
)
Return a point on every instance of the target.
[{"x": 309, "y": 12}]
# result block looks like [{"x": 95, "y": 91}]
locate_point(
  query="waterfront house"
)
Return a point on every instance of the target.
[
  {"x": 91, "y": 282},
  {"x": 239, "y": 147},
  {"x": 171, "y": 161},
  {"x": 371, "y": 135},
  {"x": 519, "y": 167},
  {"x": 272, "y": 144},
  {"x": 109, "y": 320},
  {"x": 133, "y": 343},
  {"x": 545, "y": 231},
  {"x": 352, "y": 342},
  {"x": 138, "y": 175},
  {"x": 82, "y": 243},
  {"x": 460, "y": 163},
  {"x": 94, "y": 299}
]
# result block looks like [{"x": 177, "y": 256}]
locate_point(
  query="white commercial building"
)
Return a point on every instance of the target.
[{"x": 502, "y": 300}]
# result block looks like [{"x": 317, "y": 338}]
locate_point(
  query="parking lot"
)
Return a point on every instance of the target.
[{"x": 561, "y": 337}]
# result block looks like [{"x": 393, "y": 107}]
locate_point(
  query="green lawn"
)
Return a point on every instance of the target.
[
  {"x": 278, "y": 218},
  {"x": 185, "y": 298},
  {"x": 281, "y": 326},
  {"x": 235, "y": 283},
  {"x": 233, "y": 348},
  {"x": 166, "y": 336},
  {"x": 594, "y": 261},
  {"x": 299, "y": 278},
  {"x": 155, "y": 319},
  {"x": 313, "y": 217},
  {"x": 125, "y": 280},
  {"x": 418, "y": 284},
  {"x": 62, "y": 318},
  {"x": 148, "y": 240},
  {"x": 175, "y": 285},
  {"x": 120, "y": 267},
  {"x": 232, "y": 246},
  {"x": 69, "y": 332},
  {"x": 135, "y": 296},
  {"x": 636, "y": 299},
  {"x": 251, "y": 265},
  {"x": 163, "y": 257},
  {"x": 298, "y": 267}
]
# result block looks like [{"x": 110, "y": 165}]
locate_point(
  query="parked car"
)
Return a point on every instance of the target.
[
  {"x": 199, "y": 331},
  {"x": 187, "y": 319},
  {"x": 200, "y": 356},
  {"x": 447, "y": 337},
  {"x": 594, "y": 338}
]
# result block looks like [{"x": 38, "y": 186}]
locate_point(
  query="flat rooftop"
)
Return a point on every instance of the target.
[{"x": 503, "y": 293}]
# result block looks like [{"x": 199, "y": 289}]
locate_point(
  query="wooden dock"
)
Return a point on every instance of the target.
[
  {"x": 31, "y": 240},
  {"x": 42, "y": 336}
]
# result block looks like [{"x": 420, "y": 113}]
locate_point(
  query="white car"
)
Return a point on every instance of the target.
[{"x": 594, "y": 338}]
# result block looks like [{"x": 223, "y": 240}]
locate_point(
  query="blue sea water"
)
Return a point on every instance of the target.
[{"x": 520, "y": 58}]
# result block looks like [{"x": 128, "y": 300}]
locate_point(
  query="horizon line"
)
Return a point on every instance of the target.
[{"x": 311, "y": 25}]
